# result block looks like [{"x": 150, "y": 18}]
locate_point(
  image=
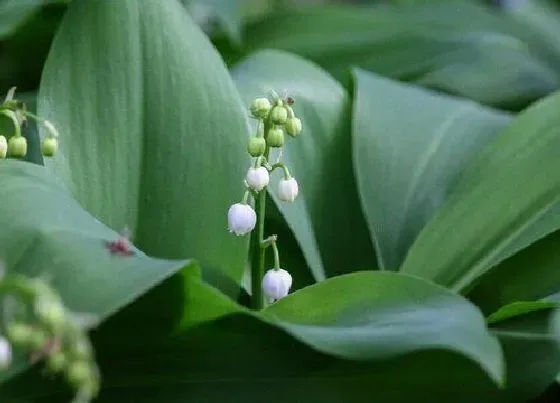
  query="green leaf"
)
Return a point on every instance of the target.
[
  {"x": 152, "y": 128},
  {"x": 319, "y": 158},
  {"x": 223, "y": 350},
  {"x": 46, "y": 233},
  {"x": 506, "y": 199},
  {"x": 528, "y": 275},
  {"x": 453, "y": 45},
  {"x": 410, "y": 146},
  {"x": 532, "y": 357},
  {"x": 519, "y": 308},
  {"x": 379, "y": 315}
]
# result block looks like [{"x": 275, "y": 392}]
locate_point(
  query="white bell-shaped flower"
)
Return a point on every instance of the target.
[
  {"x": 5, "y": 353},
  {"x": 241, "y": 219},
  {"x": 288, "y": 189},
  {"x": 276, "y": 283},
  {"x": 257, "y": 178}
]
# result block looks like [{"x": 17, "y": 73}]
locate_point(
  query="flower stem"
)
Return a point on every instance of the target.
[
  {"x": 258, "y": 253},
  {"x": 257, "y": 238}
]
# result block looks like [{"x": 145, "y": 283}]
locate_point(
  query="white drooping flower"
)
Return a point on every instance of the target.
[
  {"x": 288, "y": 189},
  {"x": 5, "y": 353},
  {"x": 276, "y": 283},
  {"x": 257, "y": 178},
  {"x": 241, "y": 219}
]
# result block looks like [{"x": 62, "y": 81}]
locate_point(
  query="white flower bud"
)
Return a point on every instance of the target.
[
  {"x": 241, "y": 219},
  {"x": 288, "y": 189},
  {"x": 276, "y": 283},
  {"x": 257, "y": 178},
  {"x": 5, "y": 353}
]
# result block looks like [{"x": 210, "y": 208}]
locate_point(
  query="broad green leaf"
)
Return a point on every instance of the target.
[
  {"x": 531, "y": 354},
  {"x": 320, "y": 159},
  {"x": 528, "y": 275},
  {"x": 410, "y": 146},
  {"x": 454, "y": 44},
  {"x": 379, "y": 315},
  {"x": 223, "y": 350},
  {"x": 46, "y": 233},
  {"x": 244, "y": 358},
  {"x": 152, "y": 128},
  {"x": 506, "y": 199}
]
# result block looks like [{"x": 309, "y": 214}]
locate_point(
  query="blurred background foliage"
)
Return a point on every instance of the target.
[{"x": 501, "y": 53}]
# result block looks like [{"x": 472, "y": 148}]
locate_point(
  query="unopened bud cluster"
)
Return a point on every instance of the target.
[
  {"x": 275, "y": 119},
  {"x": 16, "y": 146},
  {"x": 40, "y": 325}
]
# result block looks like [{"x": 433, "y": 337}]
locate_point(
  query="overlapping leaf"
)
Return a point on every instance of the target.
[
  {"x": 410, "y": 146},
  {"x": 532, "y": 356},
  {"x": 487, "y": 211},
  {"x": 382, "y": 328},
  {"x": 46, "y": 233},
  {"x": 152, "y": 128},
  {"x": 529, "y": 275}
]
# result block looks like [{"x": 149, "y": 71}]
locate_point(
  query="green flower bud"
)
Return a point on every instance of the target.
[
  {"x": 3, "y": 147},
  {"x": 260, "y": 108},
  {"x": 275, "y": 137},
  {"x": 17, "y": 146},
  {"x": 256, "y": 146},
  {"x": 49, "y": 145},
  {"x": 19, "y": 333},
  {"x": 279, "y": 115},
  {"x": 80, "y": 350},
  {"x": 57, "y": 361},
  {"x": 293, "y": 126},
  {"x": 51, "y": 313},
  {"x": 79, "y": 373}
]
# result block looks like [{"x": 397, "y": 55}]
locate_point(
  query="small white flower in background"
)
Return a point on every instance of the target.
[
  {"x": 276, "y": 283},
  {"x": 288, "y": 189},
  {"x": 5, "y": 353},
  {"x": 241, "y": 219},
  {"x": 257, "y": 178}
]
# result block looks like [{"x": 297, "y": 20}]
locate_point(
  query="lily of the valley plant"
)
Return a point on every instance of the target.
[{"x": 274, "y": 119}]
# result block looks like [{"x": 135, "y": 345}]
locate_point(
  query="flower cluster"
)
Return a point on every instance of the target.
[
  {"x": 37, "y": 323},
  {"x": 16, "y": 146},
  {"x": 275, "y": 119}
]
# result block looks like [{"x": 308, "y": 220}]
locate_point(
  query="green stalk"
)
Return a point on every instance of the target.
[
  {"x": 258, "y": 253},
  {"x": 258, "y": 248}
]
